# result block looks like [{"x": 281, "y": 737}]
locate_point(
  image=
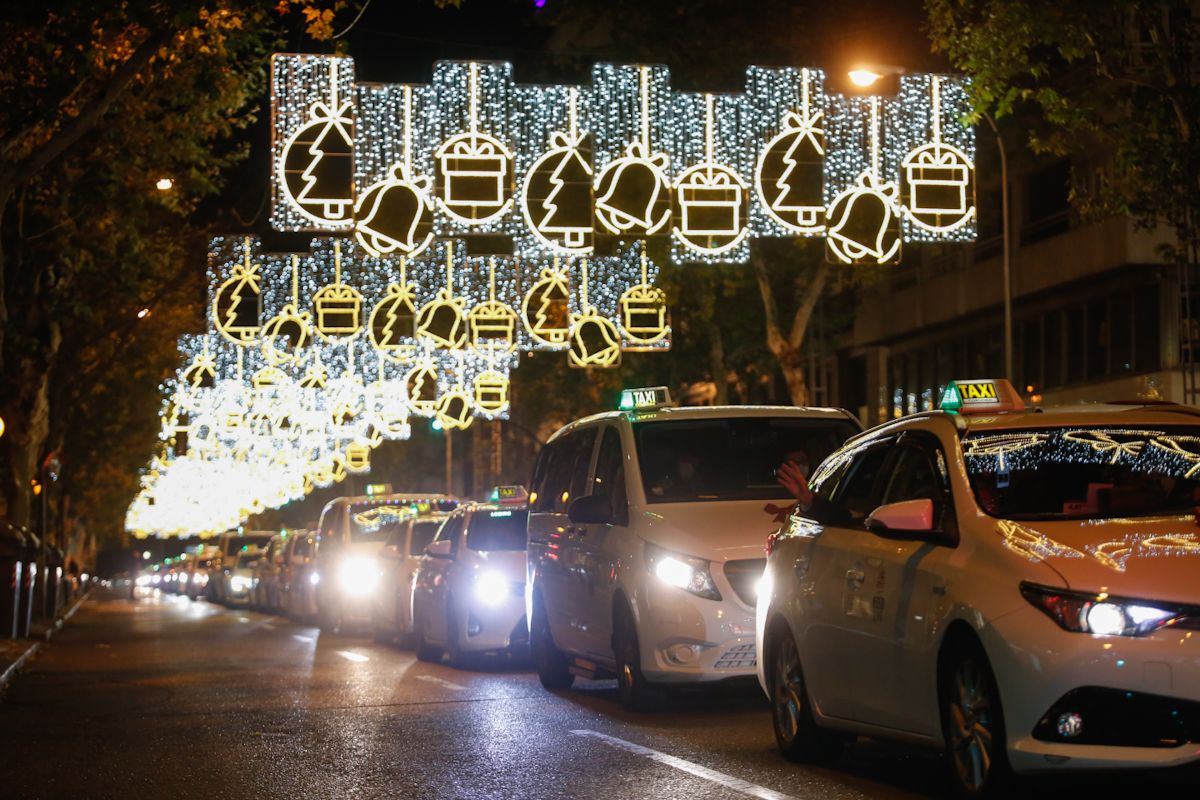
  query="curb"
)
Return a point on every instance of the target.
[{"x": 36, "y": 645}]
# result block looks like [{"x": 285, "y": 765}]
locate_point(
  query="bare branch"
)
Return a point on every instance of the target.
[{"x": 804, "y": 313}]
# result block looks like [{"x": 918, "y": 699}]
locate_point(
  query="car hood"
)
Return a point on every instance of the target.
[
  {"x": 1154, "y": 558},
  {"x": 509, "y": 563},
  {"x": 733, "y": 529}
]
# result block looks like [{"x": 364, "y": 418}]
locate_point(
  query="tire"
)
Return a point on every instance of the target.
[
  {"x": 327, "y": 617},
  {"x": 551, "y": 663},
  {"x": 973, "y": 724},
  {"x": 636, "y": 693},
  {"x": 429, "y": 653},
  {"x": 797, "y": 734}
]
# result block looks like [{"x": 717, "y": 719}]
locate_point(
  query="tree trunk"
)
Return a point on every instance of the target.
[
  {"x": 27, "y": 414},
  {"x": 791, "y": 364},
  {"x": 716, "y": 360},
  {"x": 788, "y": 349}
]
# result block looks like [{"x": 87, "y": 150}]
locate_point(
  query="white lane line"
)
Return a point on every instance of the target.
[
  {"x": 300, "y": 638},
  {"x": 268, "y": 625},
  {"x": 350, "y": 656},
  {"x": 728, "y": 781},
  {"x": 441, "y": 682}
]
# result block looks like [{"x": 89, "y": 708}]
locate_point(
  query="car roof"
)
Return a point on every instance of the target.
[
  {"x": 384, "y": 499},
  {"x": 710, "y": 412}
]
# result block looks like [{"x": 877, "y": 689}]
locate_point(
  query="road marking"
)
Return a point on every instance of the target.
[
  {"x": 268, "y": 625},
  {"x": 728, "y": 781},
  {"x": 441, "y": 682},
  {"x": 349, "y": 656},
  {"x": 243, "y": 619},
  {"x": 300, "y": 638}
]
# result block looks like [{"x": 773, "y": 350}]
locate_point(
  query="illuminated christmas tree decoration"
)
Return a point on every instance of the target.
[
  {"x": 789, "y": 176},
  {"x": 475, "y": 170},
  {"x": 863, "y": 222},
  {"x": 643, "y": 312},
  {"x": 545, "y": 309},
  {"x": 237, "y": 304},
  {"x": 393, "y": 322},
  {"x": 711, "y": 199},
  {"x": 556, "y": 197},
  {"x": 316, "y": 162},
  {"x": 421, "y": 386},
  {"x": 595, "y": 340},
  {"x": 201, "y": 373}
]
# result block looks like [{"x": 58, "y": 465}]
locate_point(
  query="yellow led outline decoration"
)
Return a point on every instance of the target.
[
  {"x": 399, "y": 297},
  {"x": 705, "y": 191},
  {"x": 289, "y": 315},
  {"x": 356, "y": 458},
  {"x": 336, "y": 300},
  {"x": 1175, "y": 446},
  {"x": 315, "y": 374},
  {"x": 937, "y": 166},
  {"x": 389, "y": 412},
  {"x": 461, "y": 418},
  {"x": 415, "y": 381},
  {"x": 413, "y": 235},
  {"x": 883, "y": 245},
  {"x": 551, "y": 287},
  {"x": 246, "y": 277},
  {"x": 581, "y": 354},
  {"x": 434, "y": 312},
  {"x": 797, "y": 128},
  {"x": 642, "y": 313},
  {"x": 463, "y": 158},
  {"x": 333, "y": 119},
  {"x": 492, "y": 322},
  {"x": 1102, "y": 441},
  {"x": 566, "y": 148},
  {"x": 268, "y": 378},
  {"x": 491, "y": 392},
  {"x": 655, "y": 211},
  {"x": 202, "y": 372}
]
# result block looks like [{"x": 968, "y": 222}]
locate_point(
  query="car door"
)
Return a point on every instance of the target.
[
  {"x": 432, "y": 587},
  {"x": 597, "y": 545},
  {"x": 421, "y": 534},
  {"x": 392, "y": 557}
]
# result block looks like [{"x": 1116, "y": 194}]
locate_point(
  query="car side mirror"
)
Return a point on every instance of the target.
[
  {"x": 906, "y": 519},
  {"x": 595, "y": 509},
  {"x": 441, "y": 549}
]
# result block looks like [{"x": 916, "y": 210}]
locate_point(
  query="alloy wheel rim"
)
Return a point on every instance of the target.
[
  {"x": 788, "y": 691},
  {"x": 971, "y": 726}
]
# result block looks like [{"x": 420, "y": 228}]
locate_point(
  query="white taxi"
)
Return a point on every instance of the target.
[
  {"x": 646, "y": 534},
  {"x": 1019, "y": 588},
  {"x": 468, "y": 596}
]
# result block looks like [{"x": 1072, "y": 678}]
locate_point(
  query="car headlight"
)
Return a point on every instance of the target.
[
  {"x": 491, "y": 588},
  {"x": 240, "y": 583},
  {"x": 1099, "y": 614},
  {"x": 143, "y": 580},
  {"x": 358, "y": 575},
  {"x": 314, "y": 578},
  {"x": 682, "y": 572},
  {"x": 202, "y": 579}
]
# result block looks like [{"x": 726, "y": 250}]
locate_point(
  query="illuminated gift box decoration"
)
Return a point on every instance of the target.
[
  {"x": 711, "y": 203},
  {"x": 491, "y": 392},
  {"x": 474, "y": 169},
  {"x": 493, "y": 324},
  {"x": 644, "y": 314},
  {"x": 937, "y": 179},
  {"x": 339, "y": 310}
]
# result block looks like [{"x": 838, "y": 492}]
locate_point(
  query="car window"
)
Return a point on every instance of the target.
[
  {"x": 423, "y": 531},
  {"x": 397, "y": 534},
  {"x": 329, "y": 522},
  {"x": 857, "y": 493},
  {"x": 497, "y": 529},
  {"x": 581, "y": 464},
  {"x": 303, "y": 546},
  {"x": 915, "y": 476},
  {"x": 610, "y": 475},
  {"x": 450, "y": 530},
  {"x": 563, "y": 473}
]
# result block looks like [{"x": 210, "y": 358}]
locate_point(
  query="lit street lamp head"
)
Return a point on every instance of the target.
[
  {"x": 863, "y": 77},
  {"x": 164, "y": 184}
]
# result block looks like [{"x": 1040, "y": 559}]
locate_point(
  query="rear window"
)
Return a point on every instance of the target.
[
  {"x": 709, "y": 460},
  {"x": 238, "y": 544},
  {"x": 498, "y": 530},
  {"x": 1084, "y": 473},
  {"x": 376, "y": 523}
]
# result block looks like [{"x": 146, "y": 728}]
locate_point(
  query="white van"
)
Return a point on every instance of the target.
[{"x": 646, "y": 536}]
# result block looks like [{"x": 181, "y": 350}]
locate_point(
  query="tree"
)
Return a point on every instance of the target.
[{"x": 1112, "y": 76}]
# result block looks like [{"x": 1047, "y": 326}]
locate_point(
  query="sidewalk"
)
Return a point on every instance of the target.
[{"x": 16, "y": 653}]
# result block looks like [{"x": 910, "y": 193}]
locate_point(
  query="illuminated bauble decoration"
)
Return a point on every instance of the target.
[
  {"x": 202, "y": 372},
  {"x": 557, "y": 195},
  {"x": 315, "y": 376},
  {"x": 393, "y": 323},
  {"x": 356, "y": 457},
  {"x": 237, "y": 304},
  {"x": 863, "y": 225},
  {"x": 422, "y": 385},
  {"x": 546, "y": 308},
  {"x": 286, "y": 335},
  {"x": 317, "y": 165},
  {"x": 712, "y": 208},
  {"x": 395, "y": 215},
  {"x": 268, "y": 377},
  {"x": 633, "y": 195},
  {"x": 937, "y": 184},
  {"x": 442, "y": 321},
  {"x": 643, "y": 316},
  {"x": 595, "y": 341},
  {"x": 339, "y": 311},
  {"x": 492, "y": 325},
  {"x": 791, "y": 174},
  {"x": 491, "y": 392},
  {"x": 453, "y": 409},
  {"x": 474, "y": 172}
]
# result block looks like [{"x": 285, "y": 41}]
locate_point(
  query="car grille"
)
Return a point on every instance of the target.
[
  {"x": 744, "y": 576},
  {"x": 740, "y": 655}
]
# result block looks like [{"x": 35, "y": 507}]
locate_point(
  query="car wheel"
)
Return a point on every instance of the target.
[
  {"x": 327, "y": 617},
  {"x": 426, "y": 651},
  {"x": 973, "y": 724},
  {"x": 458, "y": 658},
  {"x": 796, "y": 732},
  {"x": 551, "y": 663},
  {"x": 636, "y": 693}
]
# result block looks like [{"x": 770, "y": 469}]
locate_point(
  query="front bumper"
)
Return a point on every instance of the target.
[
  {"x": 495, "y": 628},
  {"x": 688, "y": 639},
  {"x": 1124, "y": 689}
]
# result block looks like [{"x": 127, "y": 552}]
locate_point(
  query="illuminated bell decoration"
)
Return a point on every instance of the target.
[
  {"x": 493, "y": 325},
  {"x": 474, "y": 177},
  {"x": 491, "y": 392},
  {"x": 712, "y": 207},
  {"x": 453, "y": 409},
  {"x": 422, "y": 385},
  {"x": 595, "y": 341},
  {"x": 791, "y": 174},
  {"x": 285, "y": 336},
  {"x": 441, "y": 321},
  {"x": 557, "y": 195},
  {"x": 395, "y": 215},
  {"x": 318, "y": 165},
  {"x": 546, "y": 308},
  {"x": 937, "y": 183},
  {"x": 633, "y": 193},
  {"x": 339, "y": 311},
  {"x": 643, "y": 315},
  {"x": 864, "y": 227},
  {"x": 393, "y": 323}
]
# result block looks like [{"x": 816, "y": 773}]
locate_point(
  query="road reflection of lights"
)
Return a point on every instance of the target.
[{"x": 352, "y": 656}]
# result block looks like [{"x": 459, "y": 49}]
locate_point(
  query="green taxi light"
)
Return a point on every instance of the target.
[
  {"x": 951, "y": 399},
  {"x": 649, "y": 398}
]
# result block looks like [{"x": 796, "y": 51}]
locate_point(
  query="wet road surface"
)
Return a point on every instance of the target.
[{"x": 168, "y": 698}]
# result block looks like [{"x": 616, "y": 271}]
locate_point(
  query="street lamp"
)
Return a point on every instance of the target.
[
  {"x": 164, "y": 184},
  {"x": 865, "y": 77}
]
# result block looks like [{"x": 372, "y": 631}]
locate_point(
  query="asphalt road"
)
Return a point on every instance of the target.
[{"x": 166, "y": 698}]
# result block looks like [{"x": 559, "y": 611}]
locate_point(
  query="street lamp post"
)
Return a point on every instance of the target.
[{"x": 1005, "y": 250}]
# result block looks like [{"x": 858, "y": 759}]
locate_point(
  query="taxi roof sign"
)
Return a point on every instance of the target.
[
  {"x": 985, "y": 396},
  {"x": 645, "y": 399},
  {"x": 509, "y": 495}
]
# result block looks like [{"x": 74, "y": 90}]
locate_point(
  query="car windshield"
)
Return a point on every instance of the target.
[
  {"x": 238, "y": 544},
  {"x": 375, "y": 523},
  {"x": 422, "y": 534},
  {"x": 502, "y": 529},
  {"x": 707, "y": 460},
  {"x": 1084, "y": 473}
]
